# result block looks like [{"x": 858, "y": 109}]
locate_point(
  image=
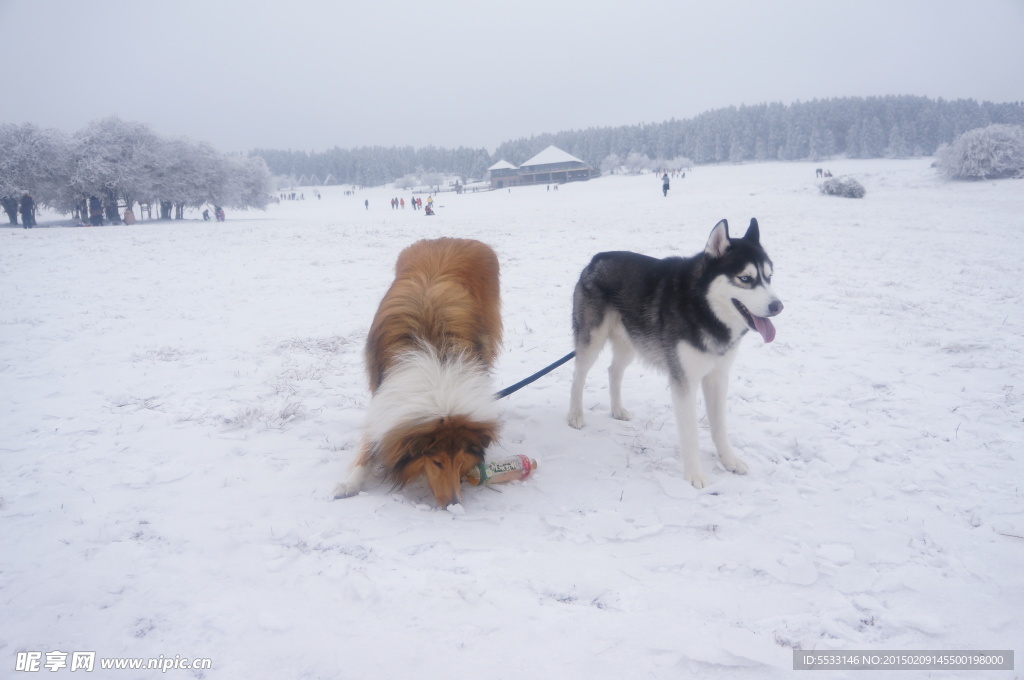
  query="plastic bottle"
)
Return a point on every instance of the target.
[{"x": 501, "y": 470}]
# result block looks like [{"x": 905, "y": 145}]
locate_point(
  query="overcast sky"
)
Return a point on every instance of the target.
[{"x": 313, "y": 74}]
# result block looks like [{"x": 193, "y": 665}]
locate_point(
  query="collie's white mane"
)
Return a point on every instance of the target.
[{"x": 423, "y": 385}]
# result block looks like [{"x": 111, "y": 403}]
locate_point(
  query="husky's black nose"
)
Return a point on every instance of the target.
[{"x": 775, "y": 307}]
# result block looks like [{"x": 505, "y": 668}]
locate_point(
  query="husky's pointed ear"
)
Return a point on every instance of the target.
[
  {"x": 718, "y": 242},
  {"x": 753, "y": 233}
]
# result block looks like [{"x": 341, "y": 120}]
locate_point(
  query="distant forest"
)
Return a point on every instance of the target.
[{"x": 857, "y": 127}]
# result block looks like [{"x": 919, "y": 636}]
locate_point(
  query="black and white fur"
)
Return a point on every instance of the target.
[{"x": 684, "y": 316}]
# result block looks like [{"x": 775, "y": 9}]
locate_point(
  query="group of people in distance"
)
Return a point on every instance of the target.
[
  {"x": 416, "y": 203},
  {"x": 218, "y": 212}
]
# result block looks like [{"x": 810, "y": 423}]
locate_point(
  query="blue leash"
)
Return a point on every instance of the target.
[{"x": 539, "y": 374}]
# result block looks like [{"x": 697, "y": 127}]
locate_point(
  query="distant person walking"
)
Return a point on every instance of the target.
[
  {"x": 367, "y": 203},
  {"x": 664, "y": 184},
  {"x": 28, "y": 211},
  {"x": 95, "y": 212}
]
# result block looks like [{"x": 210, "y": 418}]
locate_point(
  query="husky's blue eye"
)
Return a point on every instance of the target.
[{"x": 746, "y": 279}]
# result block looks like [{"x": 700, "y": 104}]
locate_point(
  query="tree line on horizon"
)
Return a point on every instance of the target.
[
  {"x": 375, "y": 165},
  {"x": 120, "y": 163},
  {"x": 898, "y": 126},
  {"x": 126, "y": 162}
]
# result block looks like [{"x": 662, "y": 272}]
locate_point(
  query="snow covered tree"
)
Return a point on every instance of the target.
[
  {"x": 798, "y": 138},
  {"x": 189, "y": 174},
  {"x": 873, "y": 139},
  {"x": 986, "y": 153},
  {"x": 737, "y": 152},
  {"x": 432, "y": 179},
  {"x": 853, "y": 142},
  {"x": 611, "y": 164},
  {"x": 32, "y": 160},
  {"x": 822, "y": 143},
  {"x": 405, "y": 182},
  {"x": 637, "y": 163},
  {"x": 899, "y": 145},
  {"x": 248, "y": 183},
  {"x": 122, "y": 163},
  {"x": 114, "y": 160},
  {"x": 679, "y": 163}
]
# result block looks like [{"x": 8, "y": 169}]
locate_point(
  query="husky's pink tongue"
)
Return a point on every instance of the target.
[{"x": 765, "y": 327}]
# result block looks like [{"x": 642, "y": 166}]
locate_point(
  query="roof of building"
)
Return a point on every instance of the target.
[
  {"x": 550, "y": 156},
  {"x": 502, "y": 165}
]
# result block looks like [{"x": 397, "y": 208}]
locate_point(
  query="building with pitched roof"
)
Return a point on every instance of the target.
[
  {"x": 550, "y": 166},
  {"x": 503, "y": 174}
]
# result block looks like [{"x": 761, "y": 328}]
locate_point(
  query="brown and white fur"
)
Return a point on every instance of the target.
[{"x": 429, "y": 355}]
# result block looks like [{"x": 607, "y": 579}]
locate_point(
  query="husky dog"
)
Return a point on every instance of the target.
[{"x": 685, "y": 316}]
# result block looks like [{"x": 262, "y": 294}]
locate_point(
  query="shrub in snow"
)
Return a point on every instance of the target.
[
  {"x": 985, "y": 153},
  {"x": 678, "y": 163},
  {"x": 844, "y": 186},
  {"x": 611, "y": 164},
  {"x": 637, "y": 163},
  {"x": 432, "y": 179},
  {"x": 406, "y": 182}
]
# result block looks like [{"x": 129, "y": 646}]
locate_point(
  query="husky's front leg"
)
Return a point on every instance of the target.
[
  {"x": 716, "y": 387},
  {"x": 684, "y": 402}
]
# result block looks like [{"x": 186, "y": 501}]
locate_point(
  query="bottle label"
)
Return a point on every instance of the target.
[
  {"x": 501, "y": 470},
  {"x": 506, "y": 465}
]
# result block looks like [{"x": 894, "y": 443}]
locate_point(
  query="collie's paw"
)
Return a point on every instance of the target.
[
  {"x": 347, "y": 490},
  {"x": 621, "y": 414},
  {"x": 354, "y": 484}
]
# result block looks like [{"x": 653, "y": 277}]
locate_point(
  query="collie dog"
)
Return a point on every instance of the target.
[{"x": 429, "y": 355}]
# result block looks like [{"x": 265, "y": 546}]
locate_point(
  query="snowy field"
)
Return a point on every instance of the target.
[{"x": 179, "y": 400}]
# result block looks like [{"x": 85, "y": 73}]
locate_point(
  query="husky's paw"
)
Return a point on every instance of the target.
[
  {"x": 575, "y": 419},
  {"x": 735, "y": 464},
  {"x": 347, "y": 490},
  {"x": 621, "y": 414},
  {"x": 697, "y": 479}
]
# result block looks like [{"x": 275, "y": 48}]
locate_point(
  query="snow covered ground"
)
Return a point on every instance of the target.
[{"x": 179, "y": 399}]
